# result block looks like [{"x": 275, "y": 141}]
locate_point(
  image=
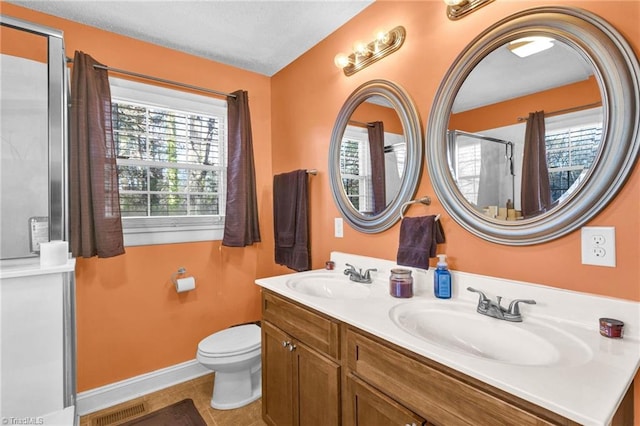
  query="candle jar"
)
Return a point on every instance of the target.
[
  {"x": 611, "y": 327},
  {"x": 401, "y": 283}
]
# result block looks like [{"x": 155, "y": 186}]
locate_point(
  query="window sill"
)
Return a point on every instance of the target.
[{"x": 150, "y": 232}]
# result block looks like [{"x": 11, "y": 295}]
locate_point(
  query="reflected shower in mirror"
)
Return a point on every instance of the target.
[
  {"x": 372, "y": 156},
  {"x": 488, "y": 125}
]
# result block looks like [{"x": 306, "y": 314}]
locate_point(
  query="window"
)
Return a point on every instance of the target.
[
  {"x": 467, "y": 167},
  {"x": 355, "y": 168},
  {"x": 571, "y": 151},
  {"x": 171, "y": 149}
]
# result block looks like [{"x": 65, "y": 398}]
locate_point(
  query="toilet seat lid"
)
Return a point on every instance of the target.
[{"x": 232, "y": 341}]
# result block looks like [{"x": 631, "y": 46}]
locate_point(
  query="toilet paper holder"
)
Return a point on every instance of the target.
[{"x": 174, "y": 276}]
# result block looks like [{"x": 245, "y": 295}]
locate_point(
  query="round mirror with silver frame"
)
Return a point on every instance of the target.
[
  {"x": 355, "y": 200},
  {"x": 615, "y": 69}
]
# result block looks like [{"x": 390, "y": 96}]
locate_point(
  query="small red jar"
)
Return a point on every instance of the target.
[{"x": 610, "y": 327}]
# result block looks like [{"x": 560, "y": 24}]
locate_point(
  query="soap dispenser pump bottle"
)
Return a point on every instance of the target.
[{"x": 442, "y": 279}]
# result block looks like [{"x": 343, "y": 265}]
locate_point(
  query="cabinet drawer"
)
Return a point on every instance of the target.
[
  {"x": 433, "y": 393},
  {"x": 368, "y": 407},
  {"x": 312, "y": 328}
]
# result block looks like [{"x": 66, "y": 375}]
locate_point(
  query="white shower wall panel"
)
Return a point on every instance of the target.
[{"x": 31, "y": 341}]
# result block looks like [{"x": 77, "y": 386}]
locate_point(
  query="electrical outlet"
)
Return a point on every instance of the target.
[
  {"x": 599, "y": 245},
  {"x": 338, "y": 227}
]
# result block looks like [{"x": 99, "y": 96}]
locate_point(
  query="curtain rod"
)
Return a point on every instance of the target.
[
  {"x": 160, "y": 80},
  {"x": 566, "y": 110},
  {"x": 487, "y": 138},
  {"x": 359, "y": 123}
]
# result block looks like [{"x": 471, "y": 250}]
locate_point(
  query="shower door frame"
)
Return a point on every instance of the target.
[
  {"x": 58, "y": 95},
  {"x": 57, "y": 123}
]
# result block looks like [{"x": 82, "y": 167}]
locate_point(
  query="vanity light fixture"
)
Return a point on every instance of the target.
[
  {"x": 528, "y": 46},
  {"x": 457, "y": 9},
  {"x": 364, "y": 54}
]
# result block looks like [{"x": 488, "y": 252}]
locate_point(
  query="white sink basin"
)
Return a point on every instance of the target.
[
  {"x": 329, "y": 286},
  {"x": 458, "y": 327}
]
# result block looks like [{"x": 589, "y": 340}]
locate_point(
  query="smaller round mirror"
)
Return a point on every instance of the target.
[{"x": 375, "y": 155}]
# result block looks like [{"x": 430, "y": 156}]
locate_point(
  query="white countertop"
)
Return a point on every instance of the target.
[{"x": 588, "y": 393}]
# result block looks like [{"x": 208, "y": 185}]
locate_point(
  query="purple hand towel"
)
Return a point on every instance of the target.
[
  {"x": 291, "y": 220},
  {"x": 419, "y": 237}
]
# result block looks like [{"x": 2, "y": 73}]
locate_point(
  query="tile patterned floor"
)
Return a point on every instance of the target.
[{"x": 199, "y": 390}]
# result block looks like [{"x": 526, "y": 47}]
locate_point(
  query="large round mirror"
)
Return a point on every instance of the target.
[
  {"x": 375, "y": 155},
  {"x": 534, "y": 129}
]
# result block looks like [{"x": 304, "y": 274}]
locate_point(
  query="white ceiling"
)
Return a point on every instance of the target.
[{"x": 262, "y": 36}]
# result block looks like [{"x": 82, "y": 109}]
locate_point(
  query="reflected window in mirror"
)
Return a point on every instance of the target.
[
  {"x": 375, "y": 155},
  {"x": 356, "y": 170},
  {"x": 487, "y": 166},
  {"x": 372, "y": 155}
]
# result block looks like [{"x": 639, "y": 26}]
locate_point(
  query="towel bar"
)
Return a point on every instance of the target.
[{"x": 424, "y": 200}]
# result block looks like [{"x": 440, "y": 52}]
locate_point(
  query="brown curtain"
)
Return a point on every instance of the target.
[
  {"x": 95, "y": 223},
  {"x": 376, "y": 150},
  {"x": 535, "y": 192},
  {"x": 241, "y": 226}
]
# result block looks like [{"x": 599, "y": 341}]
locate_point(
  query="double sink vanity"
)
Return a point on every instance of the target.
[{"x": 339, "y": 352}]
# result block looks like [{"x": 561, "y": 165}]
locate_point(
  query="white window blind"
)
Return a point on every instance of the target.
[
  {"x": 572, "y": 146},
  {"x": 355, "y": 168},
  {"x": 171, "y": 149}
]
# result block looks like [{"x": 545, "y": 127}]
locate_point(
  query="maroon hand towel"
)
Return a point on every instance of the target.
[
  {"x": 419, "y": 237},
  {"x": 291, "y": 220}
]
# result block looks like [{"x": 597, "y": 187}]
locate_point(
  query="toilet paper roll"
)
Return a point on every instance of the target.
[
  {"x": 54, "y": 253},
  {"x": 185, "y": 284}
]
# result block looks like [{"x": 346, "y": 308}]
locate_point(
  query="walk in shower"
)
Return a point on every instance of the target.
[
  {"x": 37, "y": 304},
  {"x": 485, "y": 168}
]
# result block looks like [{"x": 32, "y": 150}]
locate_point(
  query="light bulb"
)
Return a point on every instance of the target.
[
  {"x": 454, "y": 2},
  {"x": 341, "y": 60},
  {"x": 382, "y": 37},
  {"x": 360, "y": 48}
]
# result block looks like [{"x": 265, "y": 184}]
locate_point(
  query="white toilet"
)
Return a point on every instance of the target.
[{"x": 234, "y": 355}]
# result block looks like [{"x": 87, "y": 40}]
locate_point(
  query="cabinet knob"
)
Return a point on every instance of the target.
[
  {"x": 292, "y": 347},
  {"x": 285, "y": 343}
]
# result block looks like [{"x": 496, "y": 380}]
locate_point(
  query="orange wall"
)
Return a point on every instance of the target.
[
  {"x": 507, "y": 113},
  {"x": 130, "y": 322},
  {"x": 129, "y": 319},
  {"x": 432, "y": 44},
  {"x": 368, "y": 112}
]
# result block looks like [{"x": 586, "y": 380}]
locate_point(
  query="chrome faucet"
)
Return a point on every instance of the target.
[
  {"x": 493, "y": 309},
  {"x": 357, "y": 275}
]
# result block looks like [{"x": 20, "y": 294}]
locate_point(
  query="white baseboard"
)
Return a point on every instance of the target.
[{"x": 116, "y": 393}]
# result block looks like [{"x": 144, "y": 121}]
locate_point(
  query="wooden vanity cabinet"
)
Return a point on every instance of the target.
[
  {"x": 300, "y": 365},
  {"x": 318, "y": 371},
  {"x": 431, "y": 390}
]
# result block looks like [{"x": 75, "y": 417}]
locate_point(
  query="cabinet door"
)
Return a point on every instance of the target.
[
  {"x": 317, "y": 386},
  {"x": 277, "y": 377},
  {"x": 371, "y": 407}
]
